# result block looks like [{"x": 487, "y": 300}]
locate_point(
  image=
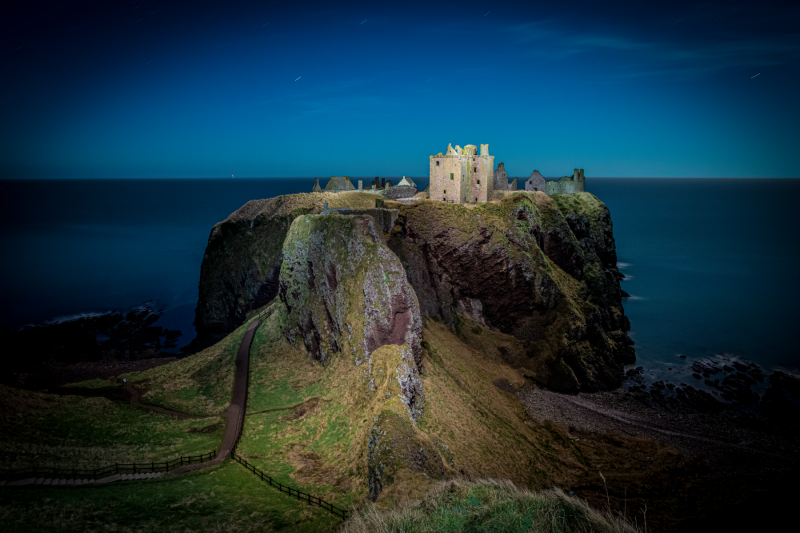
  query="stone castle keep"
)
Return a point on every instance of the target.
[{"x": 459, "y": 176}]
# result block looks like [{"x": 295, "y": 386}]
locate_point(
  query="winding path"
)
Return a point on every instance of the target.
[
  {"x": 234, "y": 411},
  {"x": 233, "y": 416}
]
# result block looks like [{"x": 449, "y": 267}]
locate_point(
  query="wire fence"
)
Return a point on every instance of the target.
[{"x": 105, "y": 471}]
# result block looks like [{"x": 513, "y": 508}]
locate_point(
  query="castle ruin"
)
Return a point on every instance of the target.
[
  {"x": 567, "y": 184},
  {"x": 461, "y": 175}
]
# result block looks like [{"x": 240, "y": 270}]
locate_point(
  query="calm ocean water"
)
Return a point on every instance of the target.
[{"x": 709, "y": 262}]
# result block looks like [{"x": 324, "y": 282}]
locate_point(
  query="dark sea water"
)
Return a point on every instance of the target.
[{"x": 710, "y": 263}]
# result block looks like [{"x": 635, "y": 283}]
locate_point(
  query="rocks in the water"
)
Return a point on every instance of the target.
[
  {"x": 734, "y": 389},
  {"x": 117, "y": 336}
]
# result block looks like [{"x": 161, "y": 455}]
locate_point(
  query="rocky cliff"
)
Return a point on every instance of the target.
[
  {"x": 345, "y": 291},
  {"x": 538, "y": 271},
  {"x": 243, "y": 258},
  {"x": 537, "y": 268}
]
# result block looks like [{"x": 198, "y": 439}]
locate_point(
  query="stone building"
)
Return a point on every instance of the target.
[
  {"x": 461, "y": 175},
  {"x": 535, "y": 182},
  {"x": 339, "y": 183},
  {"x": 501, "y": 179},
  {"x": 407, "y": 182},
  {"x": 567, "y": 184}
]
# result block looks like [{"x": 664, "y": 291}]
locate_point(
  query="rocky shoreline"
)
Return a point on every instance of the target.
[
  {"x": 89, "y": 347},
  {"x": 727, "y": 452}
]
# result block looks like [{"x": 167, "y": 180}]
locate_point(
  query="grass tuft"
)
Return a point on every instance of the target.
[{"x": 488, "y": 505}]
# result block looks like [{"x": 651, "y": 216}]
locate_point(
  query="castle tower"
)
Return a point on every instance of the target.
[{"x": 461, "y": 175}]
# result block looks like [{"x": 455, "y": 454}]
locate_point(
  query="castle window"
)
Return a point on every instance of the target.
[
  {"x": 445, "y": 191},
  {"x": 474, "y": 169},
  {"x": 451, "y": 175},
  {"x": 476, "y": 199},
  {"x": 479, "y": 182},
  {"x": 437, "y": 163}
]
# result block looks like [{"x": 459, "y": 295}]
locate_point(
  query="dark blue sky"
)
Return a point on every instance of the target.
[{"x": 151, "y": 88}]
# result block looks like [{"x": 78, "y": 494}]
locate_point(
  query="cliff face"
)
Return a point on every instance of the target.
[
  {"x": 347, "y": 296},
  {"x": 244, "y": 254},
  {"x": 539, "y": 269},
  {"x": 345, "y": 290}
]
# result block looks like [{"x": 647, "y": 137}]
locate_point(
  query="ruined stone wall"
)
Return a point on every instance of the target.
[
  {"x": 566, "y": 185},
  {"x": 384, "y": 218},
  {"x": 500, "y": 178}
]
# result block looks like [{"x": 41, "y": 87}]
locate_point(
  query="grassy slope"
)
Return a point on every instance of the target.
[
  {"x": 201, "y": 384},
  {"x": 488, "y": 506},
  {"x": 231, "y": 499},
  {"x": 75, "y": 431},
  {"x": 308, "y": 425}
]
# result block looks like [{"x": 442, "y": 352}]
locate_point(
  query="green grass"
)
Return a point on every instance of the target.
[
  {"x": 278, "y": 437},
  {"x": 223, "y": 498},
  {"x": 201, "y": 384},
  {"x": 488, "y": 506},
  {"x": 87, "y": 432}
]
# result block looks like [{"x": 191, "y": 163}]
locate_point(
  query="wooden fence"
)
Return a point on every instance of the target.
[
  {"x": 291, "y": 491},
  {"x": 302, "y": 496},
  {"x": 105, "y": 471}
]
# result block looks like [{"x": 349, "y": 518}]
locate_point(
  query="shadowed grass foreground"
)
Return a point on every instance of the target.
[
  {"x": 488, "y": 506},
  {"x": 71, "y": 431},
  {"x": 223, "y": 498}
]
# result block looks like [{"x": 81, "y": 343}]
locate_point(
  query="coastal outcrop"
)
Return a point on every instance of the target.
[
  {"x": 539, "y": 269},
  {"x": 243, "y": 258},
  {"x": 345, "y": 291}
]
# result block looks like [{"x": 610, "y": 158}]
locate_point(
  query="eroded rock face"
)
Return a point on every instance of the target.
[
  {"x": 394, "y": 445},
  {"x": 243, "y": 258},
  {"x": 345, "y": 290},
  {"x": 539, "y": 268}
]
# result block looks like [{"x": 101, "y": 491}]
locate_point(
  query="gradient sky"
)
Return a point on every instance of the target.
[{"x": 194, "y": 89}]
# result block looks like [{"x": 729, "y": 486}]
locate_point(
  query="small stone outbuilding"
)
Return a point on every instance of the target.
[{"x": 535, "y": 182}]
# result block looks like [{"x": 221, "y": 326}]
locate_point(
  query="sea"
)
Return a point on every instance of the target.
[{"x": 709, "y": 263}]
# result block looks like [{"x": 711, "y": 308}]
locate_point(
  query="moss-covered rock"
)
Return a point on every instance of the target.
[
  {"x": 540, "y": 268},
  {"x": 243, "y": 259},
  {"x": 347, "y": 293}
]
